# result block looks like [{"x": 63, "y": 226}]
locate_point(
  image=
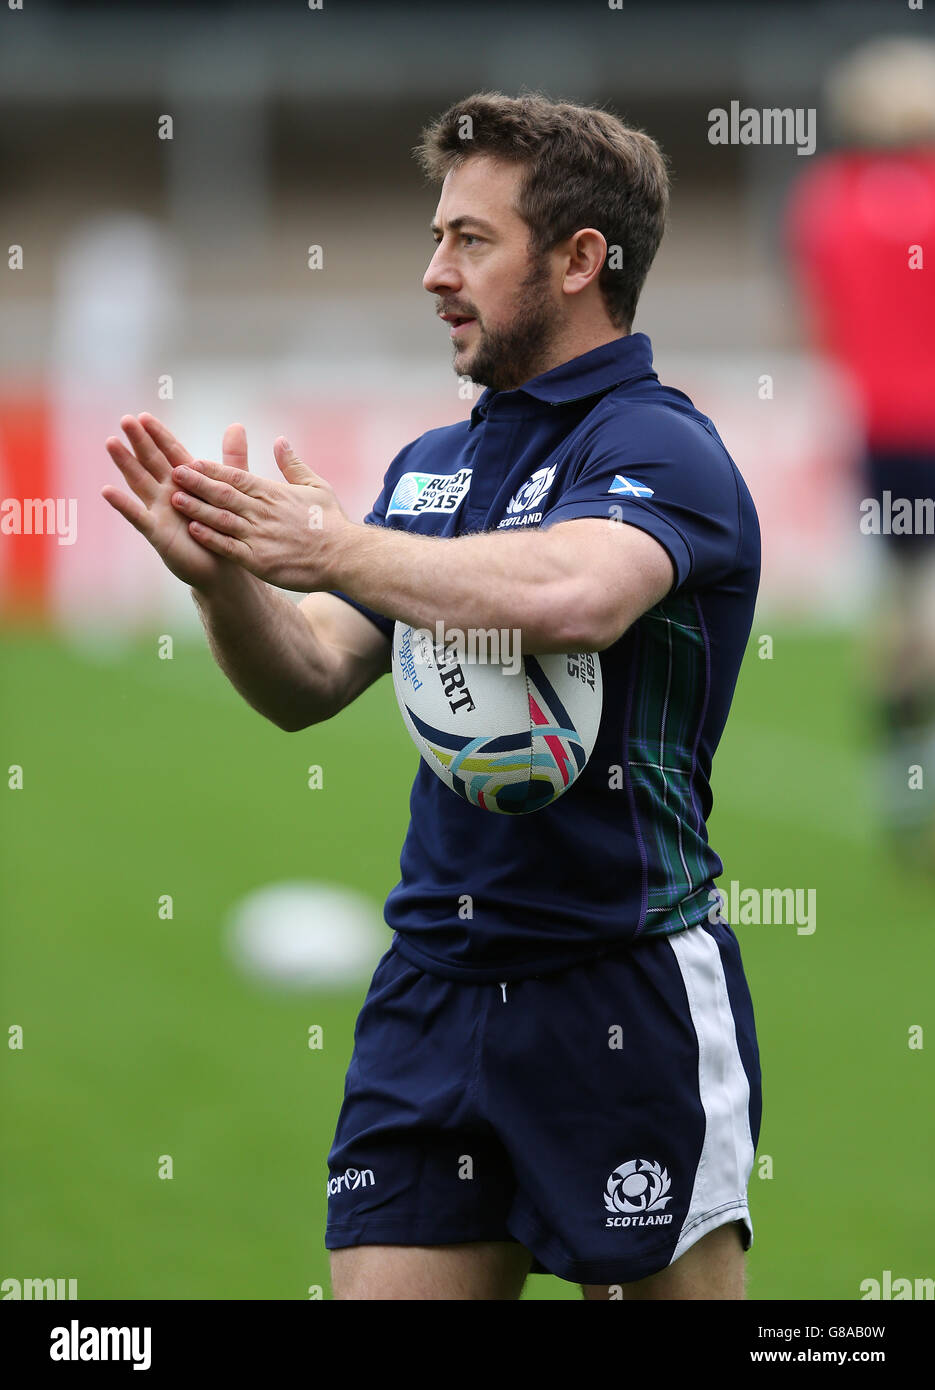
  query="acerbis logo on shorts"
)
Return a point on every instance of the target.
[
  {"x": 346, "y": 1182},
  {"x": 638, "y": 1187}
]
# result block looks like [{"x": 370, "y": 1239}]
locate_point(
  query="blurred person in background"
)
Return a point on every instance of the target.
[{"x": 859, "y": 225}]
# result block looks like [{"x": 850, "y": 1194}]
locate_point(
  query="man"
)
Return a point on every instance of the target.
[
  {"x": 566, "y": 1077},
  {"x": 856, "y": 225}
]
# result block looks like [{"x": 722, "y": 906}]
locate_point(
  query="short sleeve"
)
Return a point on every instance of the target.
[
  {"x": 375, "y": 517},
  {"x": 685, "y": 496},
  {"x": 386, "y": 625}
]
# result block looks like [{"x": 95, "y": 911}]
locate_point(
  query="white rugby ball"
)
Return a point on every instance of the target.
[
  {"x": 508, "y": 738},
  {"x": 306, "y": 935}
]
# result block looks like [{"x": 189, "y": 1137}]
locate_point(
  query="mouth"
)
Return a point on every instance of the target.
[{"x": 459, "y": 324}]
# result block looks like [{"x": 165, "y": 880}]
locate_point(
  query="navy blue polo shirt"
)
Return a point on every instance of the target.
[{"x": 624, "y": 853}]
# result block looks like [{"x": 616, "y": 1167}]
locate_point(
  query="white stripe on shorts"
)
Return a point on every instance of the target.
[{"x": 720, "y": 1190}]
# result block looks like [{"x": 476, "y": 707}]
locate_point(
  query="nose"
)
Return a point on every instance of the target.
[{"x": 441, "y": 276}]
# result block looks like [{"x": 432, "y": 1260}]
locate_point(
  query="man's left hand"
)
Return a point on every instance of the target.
[{"x": 288, "y": 533}]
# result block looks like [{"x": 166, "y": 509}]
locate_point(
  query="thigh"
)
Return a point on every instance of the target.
[
  {"x": 713, "y": 1268},
  {"x": 473, "y": 1270}
]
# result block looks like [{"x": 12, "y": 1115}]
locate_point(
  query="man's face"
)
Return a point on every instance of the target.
[{"x": 502, "y": 305}]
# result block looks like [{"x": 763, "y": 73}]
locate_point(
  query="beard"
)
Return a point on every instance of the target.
[{"x": 505, "y": 358}]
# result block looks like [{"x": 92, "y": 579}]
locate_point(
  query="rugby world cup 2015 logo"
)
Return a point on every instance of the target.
[{"x": 634, "y": 1190}]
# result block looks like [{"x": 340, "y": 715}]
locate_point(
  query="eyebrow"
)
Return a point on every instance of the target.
[{"x": 457, "y": 223}]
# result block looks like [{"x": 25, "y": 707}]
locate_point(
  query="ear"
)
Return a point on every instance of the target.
[{"x": 587, "y": 253}]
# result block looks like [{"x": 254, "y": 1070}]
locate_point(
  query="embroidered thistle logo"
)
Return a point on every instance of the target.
[
  {"x": 533, "y": 492},
  {"x": 637, "y": 1186}
]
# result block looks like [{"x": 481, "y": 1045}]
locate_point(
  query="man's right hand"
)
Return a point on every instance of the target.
[
  {"x": 296, "y": 663},
  {"x": 148, "y": 472}
]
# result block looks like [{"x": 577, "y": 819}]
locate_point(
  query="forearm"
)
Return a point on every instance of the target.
[
  {"x": 527, "y": 582},
  {"x": 268, "y": 651}
]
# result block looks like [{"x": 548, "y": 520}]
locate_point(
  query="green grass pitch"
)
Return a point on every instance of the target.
[{"x": 144, "y": 777}]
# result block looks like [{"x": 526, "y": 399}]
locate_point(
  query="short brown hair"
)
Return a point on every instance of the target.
[{"x": 584, "y": 168}]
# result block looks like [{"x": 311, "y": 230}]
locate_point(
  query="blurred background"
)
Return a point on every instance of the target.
[{"x": 183, "y": 907}]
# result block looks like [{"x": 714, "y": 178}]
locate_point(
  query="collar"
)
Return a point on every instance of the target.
[{"x": 591, "y": 374}]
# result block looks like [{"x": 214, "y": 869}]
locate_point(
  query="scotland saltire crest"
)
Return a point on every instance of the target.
[{"x": 629, "y": 487}]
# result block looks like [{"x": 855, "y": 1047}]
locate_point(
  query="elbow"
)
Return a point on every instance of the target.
[
  {"x": 293, "y": 726},
  {"x": 608, "y": 629},
  {"x": 305, "y": 704},
  {"x": 581, "y": 622},
  {"x": 287, "y": 723},
  {"x": 293, "y": 721}
]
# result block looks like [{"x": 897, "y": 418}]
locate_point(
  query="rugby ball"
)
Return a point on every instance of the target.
[{"x": 510, "y": 738}]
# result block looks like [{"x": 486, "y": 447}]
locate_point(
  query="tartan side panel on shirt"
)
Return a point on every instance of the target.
[{"x": 668, "y": 710}]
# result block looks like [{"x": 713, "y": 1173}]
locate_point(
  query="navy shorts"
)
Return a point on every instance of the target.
[
  {"x": 604, "y": 1116},
  {"x": 904, "y": 474}
]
